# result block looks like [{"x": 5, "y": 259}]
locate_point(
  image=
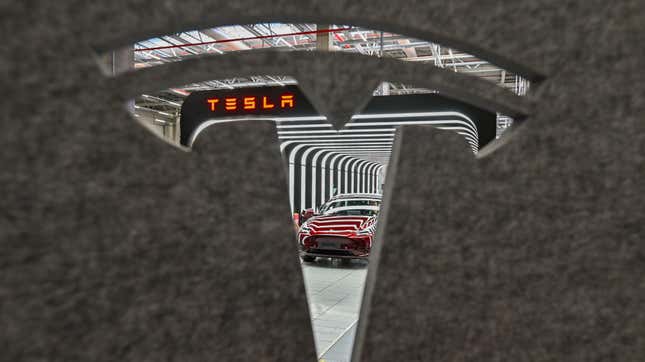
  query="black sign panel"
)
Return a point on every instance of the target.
[
  {"x": 199, "y": 107},
  {"x": 289, "y": 101}
]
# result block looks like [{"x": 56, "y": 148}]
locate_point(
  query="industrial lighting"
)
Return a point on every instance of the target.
[
  {"x": 152, "y": 110},
  {"x": 180, "y": 92},
  {"x": 161, "y": 99}
]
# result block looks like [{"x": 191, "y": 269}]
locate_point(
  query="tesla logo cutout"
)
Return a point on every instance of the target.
[{"x": 251, "y": 103}]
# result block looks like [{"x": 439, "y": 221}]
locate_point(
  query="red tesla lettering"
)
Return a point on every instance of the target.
[
  {"x": 230, "y": 104},
  {"x": 266, "y": 104},
  {"x": 212, "y": 102},
  {"x": 249, "y": 103},
  {"x": 286, "y": 101},
  {"x": 252, "y": 103}
]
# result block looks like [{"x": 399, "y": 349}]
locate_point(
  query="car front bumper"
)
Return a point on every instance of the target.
[{"x": 336, "y": 247}]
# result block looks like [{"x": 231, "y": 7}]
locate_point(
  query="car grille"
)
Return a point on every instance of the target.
[{"x": 330, "y": 242}]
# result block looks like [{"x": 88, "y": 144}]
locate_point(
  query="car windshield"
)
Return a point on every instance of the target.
[
  {"x": 330, "y": 206},
  {"x": 352, "y": 212}
]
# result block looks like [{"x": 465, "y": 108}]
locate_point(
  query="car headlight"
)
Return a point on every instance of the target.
[
  {"x": 364, "y": 231},
  {"x": 304, "y": 228},
  {"x": 369, "y": 230}
]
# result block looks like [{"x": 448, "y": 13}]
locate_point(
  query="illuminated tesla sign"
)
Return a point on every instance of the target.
[
  {"x": 284, "y": 101},
  {"x": 250, "y": 103},
  {"x": 288, "y": 102}
]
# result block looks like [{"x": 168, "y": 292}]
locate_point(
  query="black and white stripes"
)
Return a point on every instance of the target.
[{"x": 324, "y": 162}]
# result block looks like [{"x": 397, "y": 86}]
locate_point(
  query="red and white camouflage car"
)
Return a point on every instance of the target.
[{"x": 343, "y": 228}]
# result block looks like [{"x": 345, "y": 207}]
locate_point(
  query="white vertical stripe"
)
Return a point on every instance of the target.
[
  {"x": 333, "y": 170},
  {"x": 323, "y": 189},
  {"x": 340, "y": 173}
]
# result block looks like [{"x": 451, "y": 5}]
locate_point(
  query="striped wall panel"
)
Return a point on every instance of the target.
[{"x": 324, "y": 162}]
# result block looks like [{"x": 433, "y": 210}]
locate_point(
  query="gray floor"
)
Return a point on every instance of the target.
[
  {"x": 334, "y": 291},
  {"x": 341, "y": 351}
]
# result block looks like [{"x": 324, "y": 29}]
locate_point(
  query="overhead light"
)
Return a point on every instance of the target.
[
  {"x": 155, "y": 111},
  {"x": 180, "y": 92},
  {"x": 161, "y": 99}
]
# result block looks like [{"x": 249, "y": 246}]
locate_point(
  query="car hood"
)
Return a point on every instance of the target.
[{"x": 335, "y": 225}]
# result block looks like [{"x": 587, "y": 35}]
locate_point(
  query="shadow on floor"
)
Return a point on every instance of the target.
[{"x": 338, "y": 263}]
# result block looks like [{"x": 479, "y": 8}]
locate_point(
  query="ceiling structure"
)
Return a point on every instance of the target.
[{"x": 303, "y": 37}]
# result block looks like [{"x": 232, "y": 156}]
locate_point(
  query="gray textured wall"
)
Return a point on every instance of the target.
[{"x": 117, "y": 246}]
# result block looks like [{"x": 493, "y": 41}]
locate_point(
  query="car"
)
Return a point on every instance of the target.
[{"x": 343, "y": 228}]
